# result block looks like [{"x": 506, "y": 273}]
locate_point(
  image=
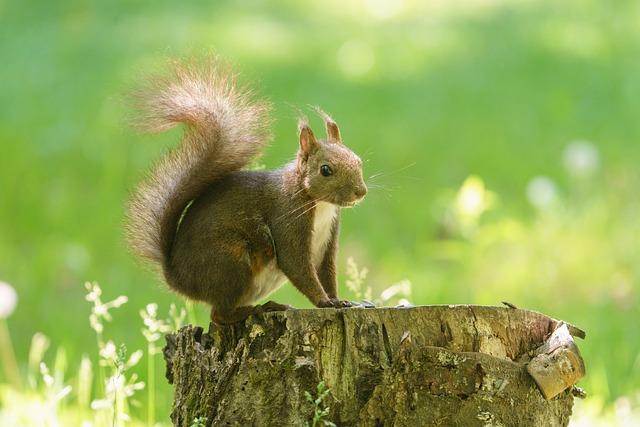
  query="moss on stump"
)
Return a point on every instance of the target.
[{"x": 433, "y": 365}]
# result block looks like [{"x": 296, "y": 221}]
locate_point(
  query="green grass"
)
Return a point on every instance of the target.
[{"x": 495, "y": 91}]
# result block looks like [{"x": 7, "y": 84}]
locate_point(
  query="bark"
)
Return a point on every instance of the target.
[
  {"x": 556, "y": 364},
  {"x": 434, "y": 365}
]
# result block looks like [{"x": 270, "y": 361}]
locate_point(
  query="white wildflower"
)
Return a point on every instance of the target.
[
  {"x": 100, "y": 310},
  {"x": 95, "y": 323},
  {"x": 109, "y": 351},
  {"x": 94, "y": 291},
  {"x": 133, "y": 386},
  {"x": 154, "y": 327},
  {"x": 117, "y": 387},
  {"x": 117, "y": 302},
  {"x": 152, "y": 309},
  {"x": 46, "y": 376},
  {"x": 8, "y": 300},
  {"x": 176, "y": 318},
  {"x": 134, "y": 359},
  {"x": 115, "y": 383}
]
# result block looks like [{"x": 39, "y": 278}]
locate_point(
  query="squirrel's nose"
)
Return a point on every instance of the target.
[{"x": 361, "y": 191}]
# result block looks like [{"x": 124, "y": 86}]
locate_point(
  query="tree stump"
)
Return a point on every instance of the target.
[{"x": 433, "y": 365}]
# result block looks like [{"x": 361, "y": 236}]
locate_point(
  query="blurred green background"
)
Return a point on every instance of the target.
[{"x": 502, "y": 136}]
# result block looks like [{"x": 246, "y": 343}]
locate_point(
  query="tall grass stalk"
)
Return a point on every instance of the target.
[
  {"x": 8, "y": 356},
  {"x": 191, "y": 312},
  {"x": 99, "y": 314},
  {"x": 39, "y": 345},
  {"x": 85, "y": 381},
  {"x": 151, "y": 381},
  {"x": 102, "y": 376},
  {"x": 153, "y": 331}
]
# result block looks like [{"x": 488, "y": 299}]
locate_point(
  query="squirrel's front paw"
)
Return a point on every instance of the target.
[{"x": 334, "y": 303}]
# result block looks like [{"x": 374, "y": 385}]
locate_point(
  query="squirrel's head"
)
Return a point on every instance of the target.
[{"x": 330, "y": 171}]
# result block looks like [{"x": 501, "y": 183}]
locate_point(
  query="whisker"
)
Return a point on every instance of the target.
[
  {"x": 376, "y": 187},
  {"x": 368, "y": 152},
  {"x": 307, "y": 210},
  {"x": 302, "y": 206},
  {"x": 298, "y": 207},
  {"x": 383, "y": 173},
  {"x": 318, "y": 199},
  {"x": 298, "y": 192}
]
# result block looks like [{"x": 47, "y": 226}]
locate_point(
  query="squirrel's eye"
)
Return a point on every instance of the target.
[{"x": 325, "y": 170}]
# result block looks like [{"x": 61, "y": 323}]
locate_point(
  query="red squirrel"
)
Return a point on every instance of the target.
[{"x": 224, "y": 235}]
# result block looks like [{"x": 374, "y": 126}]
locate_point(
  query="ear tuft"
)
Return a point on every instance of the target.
[{"x": 333, "y": 132}]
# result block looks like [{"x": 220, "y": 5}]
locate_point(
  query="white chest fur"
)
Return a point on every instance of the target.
[
  {"x": 323, "y": 218},
  {"x": 270, "y": 278}
]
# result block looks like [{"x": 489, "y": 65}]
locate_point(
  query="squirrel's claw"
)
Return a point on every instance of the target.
[
  {"x": 334, "y": 303},
  {"x": 343, "y": 303},
  {"x": 366, "y": 304}
]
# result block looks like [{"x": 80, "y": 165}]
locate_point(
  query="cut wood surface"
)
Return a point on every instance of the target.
[
  {"x": 556, "y": 364},
  {"x": 433, "y": 365}
]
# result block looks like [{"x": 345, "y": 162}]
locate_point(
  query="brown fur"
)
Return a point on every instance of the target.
[{"x": 226, "y": 236}]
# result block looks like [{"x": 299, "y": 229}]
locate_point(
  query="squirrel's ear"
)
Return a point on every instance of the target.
[
  {"x": 333, "y": 132},
  {"x": 308, "y": 142}
]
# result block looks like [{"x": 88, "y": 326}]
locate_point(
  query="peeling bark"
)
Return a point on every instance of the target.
[
  {"x": 434, "y": 365},
  {"x": 557, "y": 364}
]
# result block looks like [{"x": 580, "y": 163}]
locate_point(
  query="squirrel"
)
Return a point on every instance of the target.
[{"x": 225, "y": 235}]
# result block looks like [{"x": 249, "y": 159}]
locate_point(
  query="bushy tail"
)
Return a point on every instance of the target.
[{"x": 223, "y": 132}]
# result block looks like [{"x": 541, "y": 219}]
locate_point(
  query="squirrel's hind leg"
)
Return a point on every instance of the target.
[{"x": 224, "y": 317}]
